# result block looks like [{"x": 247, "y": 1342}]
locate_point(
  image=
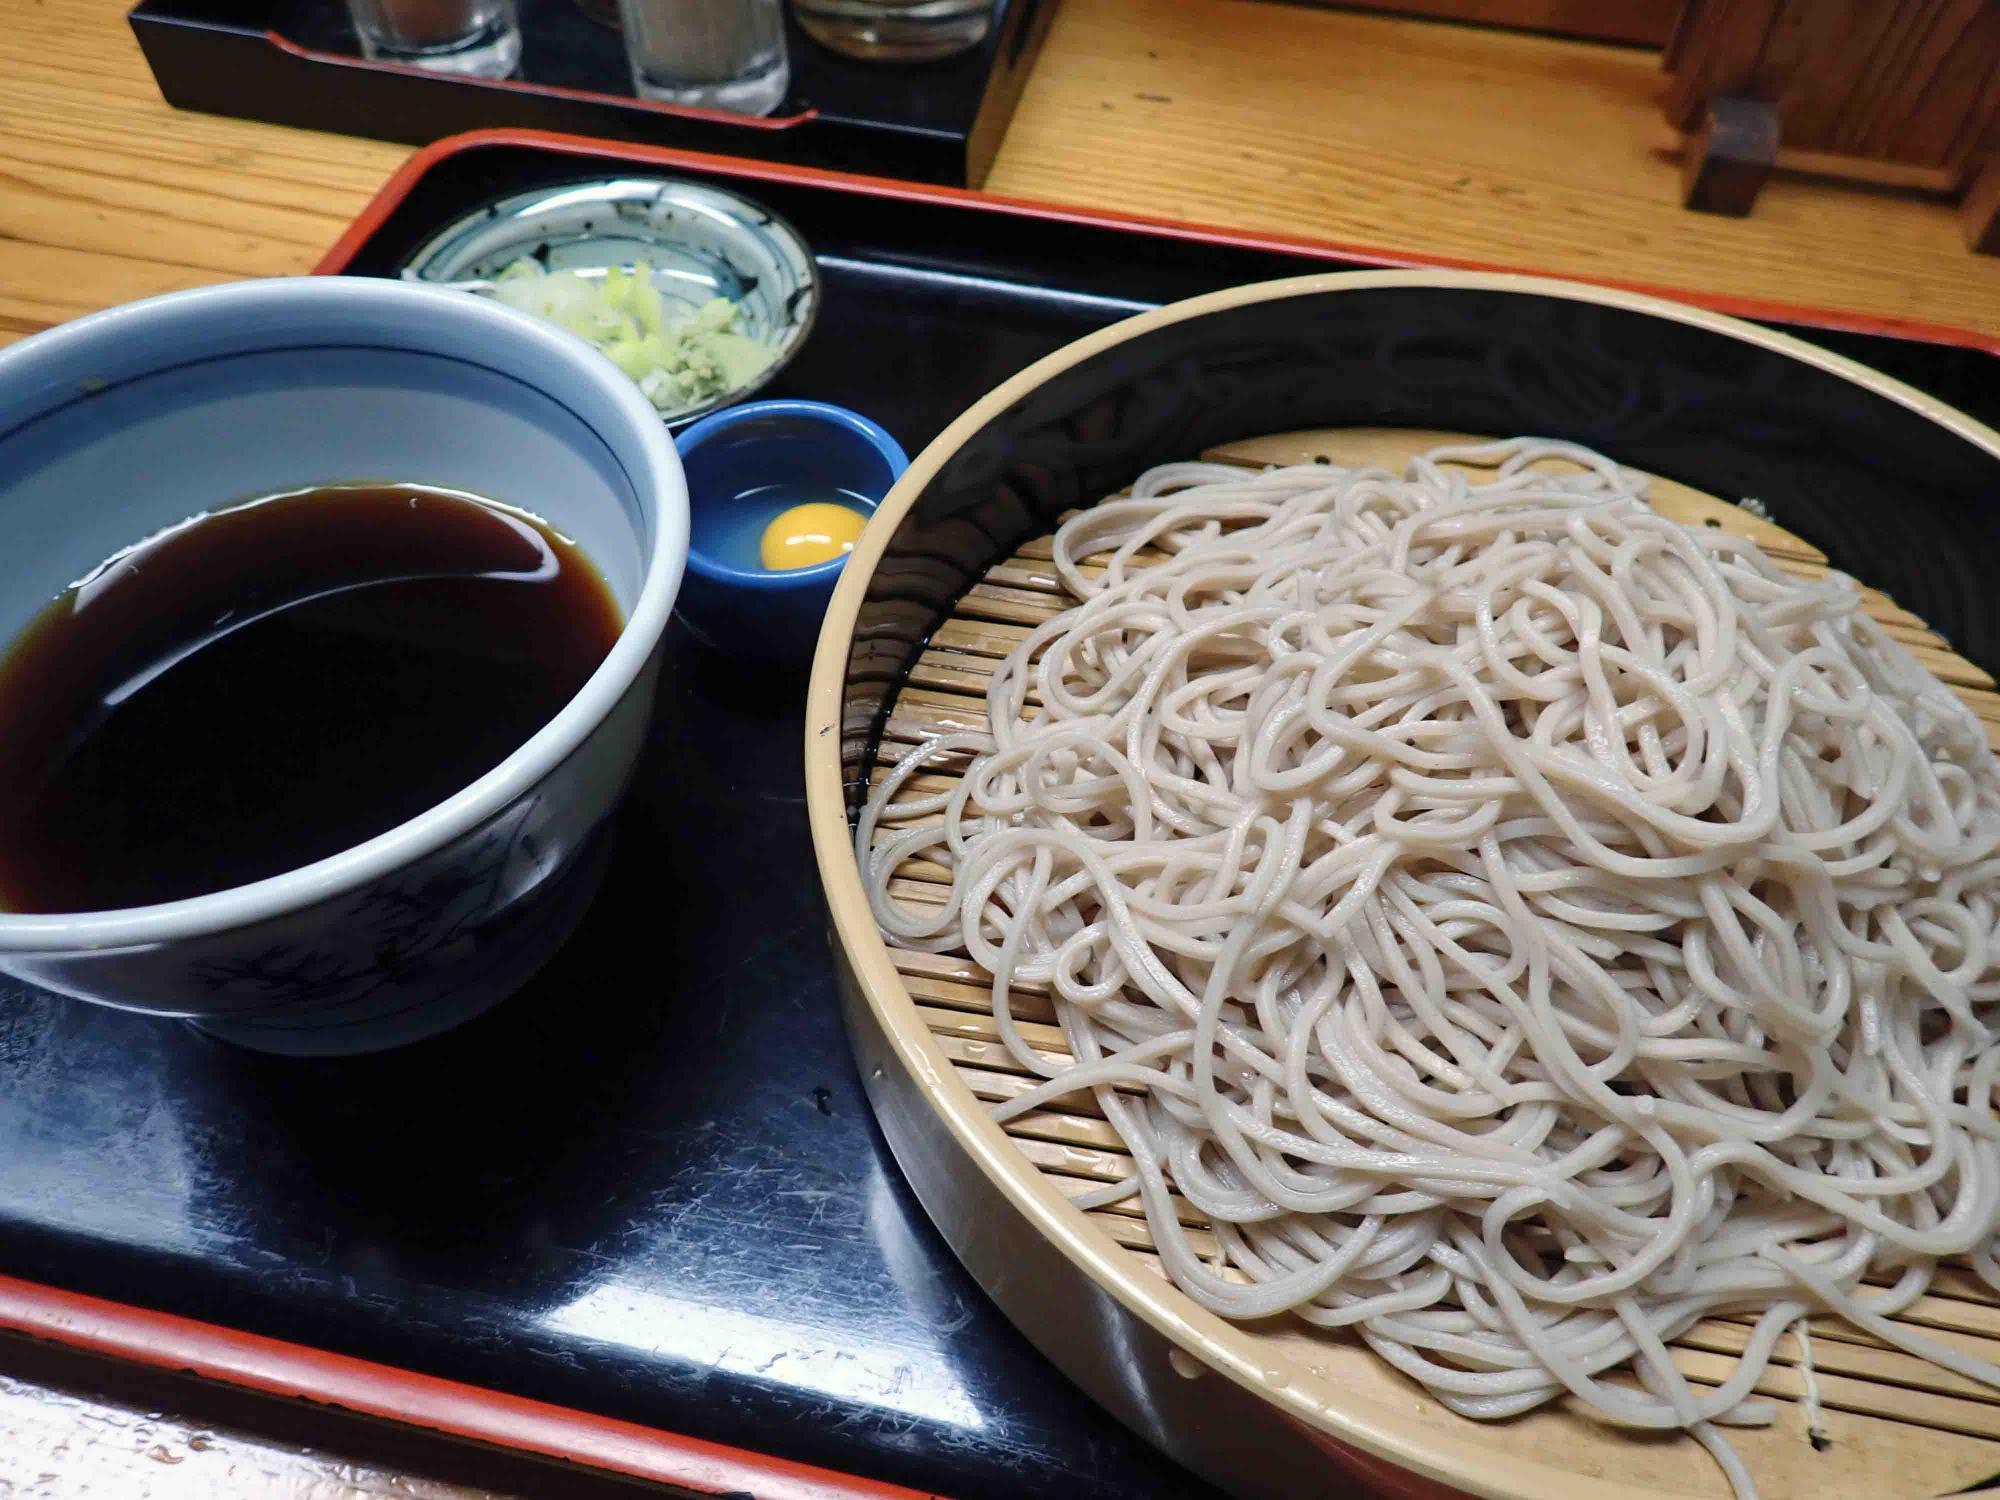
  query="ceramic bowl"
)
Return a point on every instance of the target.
[
  {"x": 734, "y": 460},
  {"x": 702, "y": 242},
  {"x": 132, "y": 419}
]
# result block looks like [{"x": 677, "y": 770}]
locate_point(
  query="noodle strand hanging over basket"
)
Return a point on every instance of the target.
[{"x": 1522, "y": 926}]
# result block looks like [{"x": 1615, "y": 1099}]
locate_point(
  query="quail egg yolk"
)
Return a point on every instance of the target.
[{"x": 807, "y": 534}]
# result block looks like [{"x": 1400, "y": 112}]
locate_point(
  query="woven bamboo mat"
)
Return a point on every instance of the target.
[{"x": 1898, "y": 1426}]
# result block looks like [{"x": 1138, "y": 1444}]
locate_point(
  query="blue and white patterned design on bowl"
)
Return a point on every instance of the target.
[
  {"x": 133, "y": 419},
  {"x": 702, "y": 242}
]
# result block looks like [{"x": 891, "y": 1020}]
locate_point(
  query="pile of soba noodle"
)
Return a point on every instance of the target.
[{"x": 1521, "y": 925}]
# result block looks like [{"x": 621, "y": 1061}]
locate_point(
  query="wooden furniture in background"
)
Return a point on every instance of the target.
[
  {"x": 1892, "y": 93},
  {"x": 1979, "y": 211},
  {"x": 1729, "y": 156}
]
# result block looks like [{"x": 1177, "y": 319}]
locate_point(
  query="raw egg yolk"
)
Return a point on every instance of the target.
[{"x": 808, "y": 534}]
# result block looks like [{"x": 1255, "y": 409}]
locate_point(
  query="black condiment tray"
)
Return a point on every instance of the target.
[
  {"x": 639, "y": 1215},
  {"x": 298, "y": 62}
]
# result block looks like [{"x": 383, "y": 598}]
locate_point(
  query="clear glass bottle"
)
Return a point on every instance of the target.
[
  {"x": 896, "y": 30},
  {"x": 721, "y": 54},
  {"x": 477, "y": 37}
]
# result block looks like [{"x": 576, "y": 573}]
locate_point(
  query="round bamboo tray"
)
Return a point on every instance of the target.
[{"x": 1274, "y": 1409}]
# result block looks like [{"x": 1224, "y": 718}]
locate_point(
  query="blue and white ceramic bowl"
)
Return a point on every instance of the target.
[
  {"x": 702, "y": 242},
  {"x": 127, "y": 421}
]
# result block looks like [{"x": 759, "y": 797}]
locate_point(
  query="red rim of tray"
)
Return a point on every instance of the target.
[{"x": 276, "y": 1368}]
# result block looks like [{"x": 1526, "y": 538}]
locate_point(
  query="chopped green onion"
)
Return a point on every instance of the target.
[{"x": 677, "y": 362}]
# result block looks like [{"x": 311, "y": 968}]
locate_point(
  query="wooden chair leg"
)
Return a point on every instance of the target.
[
  {"x": 1729, "y": 155},
  {"x": 1979, "y": 209}
]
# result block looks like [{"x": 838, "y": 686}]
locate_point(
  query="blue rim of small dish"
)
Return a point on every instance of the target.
[{"x": 788, "y": 579}]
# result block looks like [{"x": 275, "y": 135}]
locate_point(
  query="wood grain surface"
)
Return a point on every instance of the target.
[{"x": 1454, "y": 140}]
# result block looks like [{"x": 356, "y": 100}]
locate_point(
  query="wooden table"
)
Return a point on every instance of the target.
[{"x": 1478, "y": 145}]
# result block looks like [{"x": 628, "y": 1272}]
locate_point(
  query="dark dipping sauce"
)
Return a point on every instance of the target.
[{"x": 272, "y": 683}]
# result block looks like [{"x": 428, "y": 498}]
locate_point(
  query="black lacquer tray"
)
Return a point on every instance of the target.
[
  {"x": 641, "y": 1210},
  {"x": 298, "y": 62}
]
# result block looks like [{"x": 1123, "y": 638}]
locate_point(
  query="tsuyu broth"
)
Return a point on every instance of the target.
[{"x": 269, "y": 684}]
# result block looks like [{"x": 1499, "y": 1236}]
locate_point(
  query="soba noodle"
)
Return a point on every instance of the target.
[{"x": 1520, "y": 925}]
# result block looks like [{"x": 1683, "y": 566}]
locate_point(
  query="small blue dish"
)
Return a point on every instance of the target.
[{"x": 746, "y": 465}]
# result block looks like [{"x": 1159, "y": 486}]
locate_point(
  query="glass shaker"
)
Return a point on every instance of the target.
[
  {"x": 897, "y": 30},
  {"x": 477, "y": 37},
  {"x": 722, "y": 54}
]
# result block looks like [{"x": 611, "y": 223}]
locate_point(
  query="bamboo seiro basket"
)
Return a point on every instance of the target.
[{"x": 1857, "y": 471}]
